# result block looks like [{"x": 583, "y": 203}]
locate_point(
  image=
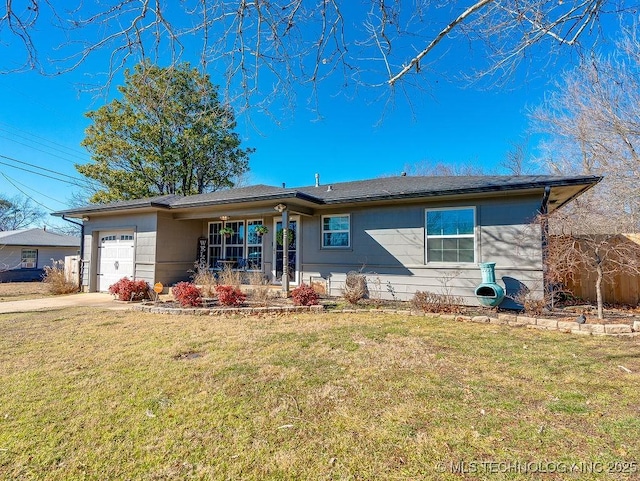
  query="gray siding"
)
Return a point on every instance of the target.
[
  {"x": 177, "y": 248},
  {"x": 143, "y": 227},
  {"x": 388, "y": 245},
  {"x": 11, "y": 256}
]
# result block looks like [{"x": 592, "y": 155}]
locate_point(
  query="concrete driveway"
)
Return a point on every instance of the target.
[{"x": 96, "y": 299}]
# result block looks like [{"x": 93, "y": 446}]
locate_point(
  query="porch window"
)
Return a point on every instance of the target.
[
  {"x": 234, "y": 244},
  {"x": 450, "y": 235},
  {"x": 244, "y": 246},
  {"x": 254, "y": 246},
  {"x": 215, "y": 243},
  {"x": 29, "y": 258},
  {"x": 336, "y": 231}
]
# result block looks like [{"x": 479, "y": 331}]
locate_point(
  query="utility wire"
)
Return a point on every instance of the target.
[
  {"x": 76, "y": 179},
  {"x": 26, "y": 135},
  {"x": 38, "y": 173},
  {"x": 25, "y": 194},
  {"x": 45, "y": 151},
  {"x": 13, "y": 182}
]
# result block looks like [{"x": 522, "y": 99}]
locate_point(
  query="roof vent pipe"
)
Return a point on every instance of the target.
[
  {"x": 317, "y": 180},
  {"x": 329, "y": 189},
  {"x": 284, "y": 186}
]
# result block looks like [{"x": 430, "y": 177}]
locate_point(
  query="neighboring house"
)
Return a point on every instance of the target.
[
  {"x": 24, "y": 253},
  {"x": 406, "y": 233}
]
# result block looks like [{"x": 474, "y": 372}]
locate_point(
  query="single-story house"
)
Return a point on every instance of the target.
[
  {"x": 405, "y": 233},
  {"x": 24, "y": 253}
]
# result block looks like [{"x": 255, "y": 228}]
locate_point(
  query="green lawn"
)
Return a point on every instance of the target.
[{"x": 90, "y": 394}]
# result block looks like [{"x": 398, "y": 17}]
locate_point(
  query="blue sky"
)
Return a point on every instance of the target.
[{"x": 42, "y": 123}]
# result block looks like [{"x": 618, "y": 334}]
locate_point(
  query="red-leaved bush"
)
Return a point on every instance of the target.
[
  {"x": 127, "y": 290},
  {"x": 230, "y": 296},
  {"x": 187, "y": 294},
  {"x": 304, "y": 295}
]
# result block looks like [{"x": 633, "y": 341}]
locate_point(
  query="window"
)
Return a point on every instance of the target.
[
  {"x": 335, "y": 231},
  {"x": 254, "y": 246},
  {"x": 242, "y": 249},
  {"x": 215, "y": 243},
  {"x": 450, "y": 235},
  {"x": 29, "y": 258},
  {"x": 234, "y": 244}
]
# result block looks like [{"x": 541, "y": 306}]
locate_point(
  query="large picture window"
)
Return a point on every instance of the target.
[
  {"x": 450, "y": 235},
  {"x": 240, "y": 250},
  {"x": 336, "y": 231}
]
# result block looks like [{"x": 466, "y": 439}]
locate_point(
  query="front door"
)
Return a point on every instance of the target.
[{"x": 293, "y": 249}]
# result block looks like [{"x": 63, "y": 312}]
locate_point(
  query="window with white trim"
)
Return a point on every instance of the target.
[
  {"x": 336, "y": 231},
  {"x": 215, "y": 243},
  {"x": 450, "y": 235},
  {"x": 254, "y": 246},
  {"x": 29, "y": 258},
  {"x": 241, "y": 250}
]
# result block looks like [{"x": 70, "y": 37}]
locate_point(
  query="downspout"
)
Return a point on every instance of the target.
[
  {"x": 81, "y": 266},
  {"x": 544, "y": 210}
]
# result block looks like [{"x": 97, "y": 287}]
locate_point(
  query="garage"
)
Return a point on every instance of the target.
[{"x": 116, "y": 253}]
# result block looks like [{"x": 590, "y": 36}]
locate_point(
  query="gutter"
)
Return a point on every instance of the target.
[
  {"x": 81, "y": 267},
  {"x": 544, "y": 207}
]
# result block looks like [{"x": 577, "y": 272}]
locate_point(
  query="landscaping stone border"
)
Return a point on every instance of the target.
[
  {"x": 219, "y": 311},
  {"x": 516, "y": 320},
  {"x": 513, "y": 320}
]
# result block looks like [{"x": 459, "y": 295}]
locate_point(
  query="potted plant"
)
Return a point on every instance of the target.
[
  {"x": 261, "y": 230},
  {"x": 227, "y": 231}
]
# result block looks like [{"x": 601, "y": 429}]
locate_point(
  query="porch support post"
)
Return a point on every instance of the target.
[{"x": 285, "y": 251}]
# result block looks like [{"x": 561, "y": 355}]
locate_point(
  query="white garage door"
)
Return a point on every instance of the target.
[{"x": 116, "y": 258}]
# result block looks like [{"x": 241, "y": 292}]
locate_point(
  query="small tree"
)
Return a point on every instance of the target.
[
  {"x": 18, "y": 213},
  {"x": 576, "y": 248},
  {"x": 168, "y": 134}
]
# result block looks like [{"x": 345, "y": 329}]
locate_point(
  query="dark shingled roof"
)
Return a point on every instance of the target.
[
  {"x": 409, "y": 186},
  {"x": 37, "y": 237},
  {"x": 384, "y": 188}
]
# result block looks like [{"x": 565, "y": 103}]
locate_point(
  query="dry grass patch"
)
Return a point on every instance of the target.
[
  {"x": 113, "y": 395},
  {"x": 16, "y": 291}
]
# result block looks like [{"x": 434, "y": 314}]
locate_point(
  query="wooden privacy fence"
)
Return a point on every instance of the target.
[
  {"x": 620, "y": 289},
  {"x": 72, "y": 269}
]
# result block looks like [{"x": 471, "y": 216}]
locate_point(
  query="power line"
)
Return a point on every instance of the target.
[
  {"x": 13, "y": 182},
  {"x": 76, "y": 180},
  {"x": 70, "y": 151},
  {"x": 38, "y": 173},
  {"x": 25, "y": 194},
  {"x": 42, "y": 150}
]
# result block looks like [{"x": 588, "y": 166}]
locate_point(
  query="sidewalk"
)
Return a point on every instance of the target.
[{"x": 96, "y": 299}]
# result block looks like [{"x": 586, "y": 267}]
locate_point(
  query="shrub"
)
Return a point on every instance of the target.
[
  {"x": 206, "y": 279},
  {"x": 430, "y": 302},
  {"x": 304, "y": 295},
  {"x": 127, "y": 290},
  {"x": 355, "y": 287},
  {"x": 230, "y": 295},
  {"x": 187, "y": 294},
  {"x": 230, "y": 277},
  {"x": 56, "y": 279},
  {"x": 260, "y": 291}
]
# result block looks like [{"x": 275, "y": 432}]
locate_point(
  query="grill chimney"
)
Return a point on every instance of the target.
[
  {"x": 284, "y": 185},
  {"x": 317, "y": 180}
]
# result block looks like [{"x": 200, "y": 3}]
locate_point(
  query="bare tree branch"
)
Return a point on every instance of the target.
[{"x": 265, "y": 49}]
